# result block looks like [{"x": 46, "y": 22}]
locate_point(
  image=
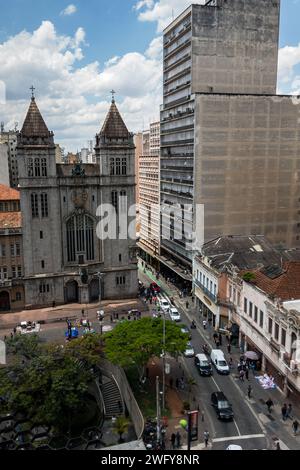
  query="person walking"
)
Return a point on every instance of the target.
[
  {"x": 295, "y": 427},
  {"x": 206, "y": 438},
  {"x": 187, "y": 304},
  {"x": 247, "y": 373},
  {"x": 249, "y": 391},
  {"x": 220, "y": 339},
  {"x": 204, "y": 324},
  {"x": 284, "y": 412},
  {"x": 277, "y": 446},
  {"x": 230, "y": 362},
  {"x": 178, "y": 440},
  {"x": 173, "y": 439},
  {"x": 242, "y": 373},
  {"x": 229, "y": 348},
  {"x": 270, "y": 405},
  {"x": 217, "y": 343}
]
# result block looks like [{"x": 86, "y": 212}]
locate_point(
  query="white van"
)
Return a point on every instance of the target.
[{"x": 219, "y": 361}]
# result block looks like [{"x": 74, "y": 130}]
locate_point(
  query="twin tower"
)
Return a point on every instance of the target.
[{"x": 59, "y": 203}]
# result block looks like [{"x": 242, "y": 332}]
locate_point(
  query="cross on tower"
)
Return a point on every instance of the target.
[
  {"x": 113, "y": 96},
  {"x": 32, "y": 91}
]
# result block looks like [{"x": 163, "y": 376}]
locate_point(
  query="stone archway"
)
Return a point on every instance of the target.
[
  {"x": 72, "y": 292},
  {"x": 4, "y": 301},
  {"x": 94, "y": 290}
]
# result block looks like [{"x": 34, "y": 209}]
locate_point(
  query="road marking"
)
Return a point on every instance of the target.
[
  {"x": 239, "y": 432},
  {"x": 237, "y": 438}
]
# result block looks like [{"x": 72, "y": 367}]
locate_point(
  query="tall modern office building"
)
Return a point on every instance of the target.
[{"x": 227, "y": 141}]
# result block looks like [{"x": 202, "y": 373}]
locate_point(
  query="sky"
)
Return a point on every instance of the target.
[{"x": 75, "y": 53}]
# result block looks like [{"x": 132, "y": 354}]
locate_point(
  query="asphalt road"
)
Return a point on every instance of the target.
[{"x": 245, "y": 430}]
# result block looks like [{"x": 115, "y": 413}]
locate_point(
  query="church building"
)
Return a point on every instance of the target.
[{"x": 68, "y": 255}]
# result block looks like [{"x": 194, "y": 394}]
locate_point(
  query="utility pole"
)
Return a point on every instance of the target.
[
  {"x": 164, "y": 361},
  {"x": 157, "y": 410},
  {"x": 189, "y": 437},
  {"x": 100, "y": 313}
]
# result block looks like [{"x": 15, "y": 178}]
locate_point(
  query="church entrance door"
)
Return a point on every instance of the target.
[
  {"x": 4, "y": 301},
  {"x": 94, "y": 290},
  {"x": 72, "y": 292}
]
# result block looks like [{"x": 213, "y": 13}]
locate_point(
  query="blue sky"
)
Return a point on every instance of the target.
[{"x": 75, "y": 59}]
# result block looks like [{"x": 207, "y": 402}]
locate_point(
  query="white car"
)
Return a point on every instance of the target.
[
  {"x": 234, "y": 447},
  {"x": 189, "y": 352},
  {"x": 174, "y": 314},
  {"x": 164, "y": 305}
]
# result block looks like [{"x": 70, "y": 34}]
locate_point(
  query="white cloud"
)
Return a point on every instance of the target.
[
  {"x": 69, "y": 10},
  {"x": 66, "y": 89},
  {"x": 289, "y": 58},
  {"x": 163, "y": 11}
]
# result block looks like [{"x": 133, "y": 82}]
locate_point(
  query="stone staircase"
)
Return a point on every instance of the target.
[{"x": 112, "y": 399}]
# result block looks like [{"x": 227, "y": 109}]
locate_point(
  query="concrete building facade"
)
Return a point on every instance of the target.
[
  {"x": 67, "y": 257},
  {"x": 4, "y": 165},
  {"x": 227, "y": 141},
  {"x": 10, "y": 139}
]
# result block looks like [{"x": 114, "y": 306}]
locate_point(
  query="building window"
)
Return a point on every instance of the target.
[
  {"x": 18, "y": 249},
  {"x": 255, "y": 313},
  {"x": 19, "y": 271},
  {"x": 44, "y": 205},
  {"x": 120, "y": 280},
  {"x": 270, "y": 326},
  {"x": 44, "y": 288},
  {"x": 114, "y": 200},
  {"x": 44, "y": 166},
  {"x": 43, "y": 264},
  {"x": 30, "y": 167},
  {"x": 120, "y": 258},
  {"x": 250, "y": 309},
  {"x": 276, "y": 334},
  {"x": 37, "y": 168},
  {"x": 34, "y": 206},
  {"x": 18, "y": 296},
  {"x": 112, "y": 166},
  {"x": 124, "y": 166},
  {"x": 3, "y": 250},
  {"x": 283, "y": 337},
  {"x": 118, "y": 166},
  {"x": 12, "y": 249},
  {"x": 80, "y": 237},
  {"x": 14, "y": 272},
  {"x": 41, "y": 235},
  {"x": 3, "y": 273},
  {"x": 261, "y": 318},
  {"x": 245, "y": 305}
]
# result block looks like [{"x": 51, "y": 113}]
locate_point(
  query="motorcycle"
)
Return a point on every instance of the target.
[
  {"x": 193, "y": 325},
  {"x": 205, "y": 349}
]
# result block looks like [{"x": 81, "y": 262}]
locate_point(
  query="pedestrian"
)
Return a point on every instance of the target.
[
  {"x": 284, "y": 412},
  {"x": 295, "y": 427},
  {"x": 230, "y": 362},
  {"x": 277, "y": 446},
  {"x": 82, "y": 312},
  {"x": 53, "y": 304},
  {"x": 269, "y": 404},
  {"x": 217, "y": 344},
  {"x": 204, "y": 324},
  {"x": 171, "y": 382},
  {"x": 220, "y": 339},
  {"x": 289, "y": 411},
  {"x": 11, "y": 336},
  {"x": 206, "y": 438},
  {"x": 129, "y": 317},
  {"x": 173, "y": 439},
  {"x": 247, "y": 373},
  {"x": 117, "y": 316},
  {"x": 229, "y": 348},
  {"x": 242, "y": 373},
  {"x": 15, "y": 330},
  {"x": 177, "y": 383},
  {"x": 111, "y": 319},
  {"x": 178, "y": 440},
  {"x": 187, "y": 304},
  {"x": 249, "y": 391}
]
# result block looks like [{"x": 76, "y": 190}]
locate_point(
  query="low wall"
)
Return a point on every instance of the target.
[{"x": 127, "y": 395}]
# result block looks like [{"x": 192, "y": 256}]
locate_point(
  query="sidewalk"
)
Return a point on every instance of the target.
[{"x": 277, "y": 428}]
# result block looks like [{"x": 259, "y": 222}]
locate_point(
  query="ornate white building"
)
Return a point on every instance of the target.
[{"x": 63, "y": 251}]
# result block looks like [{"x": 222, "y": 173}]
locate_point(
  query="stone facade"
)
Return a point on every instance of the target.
[{"x": 63, "y": 254}]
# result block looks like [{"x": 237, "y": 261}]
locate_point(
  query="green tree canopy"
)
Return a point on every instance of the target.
[{"x": 135, "y": 342}]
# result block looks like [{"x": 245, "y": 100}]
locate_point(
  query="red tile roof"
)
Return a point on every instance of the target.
[
  {"x": 285, "y": 287},
  {"x": 10, "y": 220},
  {"x": 8, "y": 194}
]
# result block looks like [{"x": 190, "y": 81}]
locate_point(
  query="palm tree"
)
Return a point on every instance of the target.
[{"x": 121, "y": 426}]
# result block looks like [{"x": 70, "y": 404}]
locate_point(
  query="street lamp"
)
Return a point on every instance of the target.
[
  {"x": 100, "y": 312},
  {"x": 164, "y": 361}
]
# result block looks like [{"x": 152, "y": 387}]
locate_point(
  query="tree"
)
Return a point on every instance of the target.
[
  {"x": 121, "y": 426},
  {"x": 53, "y": 386},
  {"x": 27, "y": 346},
  {"x": 135, "y": 342}
]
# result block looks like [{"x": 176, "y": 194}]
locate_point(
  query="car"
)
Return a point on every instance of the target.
[
  {"x": 174, "y": 314},
  {"x": 222, "y": 406},
  {"x": 219, "y": 361},
  {"x": 184, "y": 329},
  {"x": 154, "y": 288},
  {"x": 164, "y": 305},
  {"x": 203, "y": 365},
  {"x": 234, "y": 447},
  {"x": 189, "y": 352}
]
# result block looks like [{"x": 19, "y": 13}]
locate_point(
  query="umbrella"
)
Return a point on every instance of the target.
[{"x": 253, "y": 356}]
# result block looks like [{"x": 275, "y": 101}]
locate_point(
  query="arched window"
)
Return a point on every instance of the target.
[
  {"x": 44, "y": 166},
  {"x": 30, "y": 167},
  {"x": 80, "y": 237},
  {"x": 37, "y": 168}
]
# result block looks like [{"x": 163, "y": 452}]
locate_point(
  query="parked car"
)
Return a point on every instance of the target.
[
  {"x": 184, "y": 329},
  {"x": 222, "y": 406},
  {"x": 164, "y": 305},
  {"x": 234, "y": 447},
  {"x": 189, "y": 352},
  {"x": 174, "y": 314},
  {"x": 203, "y": 365},
  {"x": 219, "y": 361}
]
